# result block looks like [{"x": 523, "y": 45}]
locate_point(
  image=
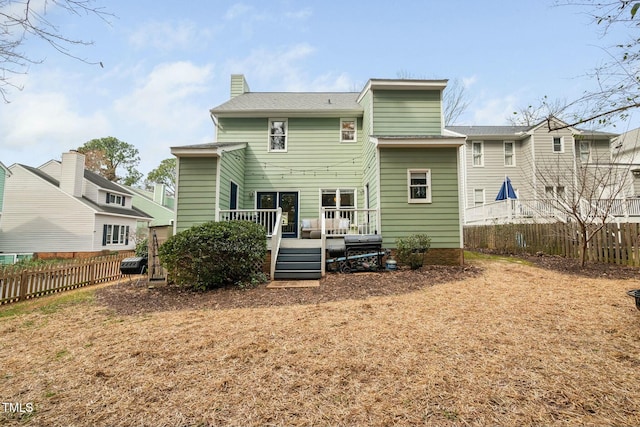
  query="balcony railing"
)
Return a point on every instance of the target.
[{"x": 522, "y": 210}]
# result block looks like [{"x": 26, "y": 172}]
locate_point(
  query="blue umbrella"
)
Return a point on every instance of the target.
[{"x": 506, "y": 190}]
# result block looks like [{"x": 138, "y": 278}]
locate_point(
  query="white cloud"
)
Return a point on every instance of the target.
[
  {"x": 494, "y": 111},
  {"x": 163, "y": 100},
  {"x": 237, "y": 10},
  {"x": 469, "y": 81},
  {"x": 274, "y": 65},
  {"x": 45, "y": 124},
  {"x": 301, "y": 14},
  {"x": 168, "y": 36}
]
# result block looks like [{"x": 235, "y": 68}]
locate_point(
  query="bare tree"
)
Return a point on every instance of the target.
[
  {"x": 585, "y": 189},
  {"x": 24, "y": 19},
  {"x": 535, "y": 114},
  {"x": 455, "y": 101},
  {"x": 618, "y": 80}
]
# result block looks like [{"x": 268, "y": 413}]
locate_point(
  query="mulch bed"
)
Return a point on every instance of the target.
[{"x": 138, "y": 296}]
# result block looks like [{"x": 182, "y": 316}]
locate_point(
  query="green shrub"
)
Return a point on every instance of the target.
[
  {"x": 142, "y": 248},
  {"x": 216, "y": 254},
  {"x": 411, "y": 250}
]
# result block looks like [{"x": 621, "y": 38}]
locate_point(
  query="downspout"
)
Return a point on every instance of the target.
[
  {"x": 177, "y": 197},
  {"x": 217, "y": 195}
]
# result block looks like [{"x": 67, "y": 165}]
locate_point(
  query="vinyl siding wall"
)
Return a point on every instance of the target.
[
  {"x": 406, "y": 112},
  {"x": 101, "y": 220},
  {"x": 315, "y": 159},
  {"x": 490, "y": 176},
  {"x": 3, "y": 178},
  {"x": 232, "y": 169},
  {"x": 369, "y": 154},
  {"x": 553, "y": 168},
  {"x": 439, "y": 219},
  {"x": 39, "y": 217},
  {"x": 196, "y": 202}
]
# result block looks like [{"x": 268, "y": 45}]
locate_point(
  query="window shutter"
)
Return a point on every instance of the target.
[
  {"x": 107, "y": 201},
  {"x": 104, "y": 233},
  {"x": 126, "y": 236},
  {"x": 122, "y": 200}
]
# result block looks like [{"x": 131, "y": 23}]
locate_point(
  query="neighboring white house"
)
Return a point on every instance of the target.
[
  {"x": 61, "y": 207},
  {"x": 541, "y": 164},
  {"x": 626, "y": 150}
]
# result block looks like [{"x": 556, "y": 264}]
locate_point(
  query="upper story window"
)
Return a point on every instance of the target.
[
  {"x": 115, "y": 199},
  {"x": 477, "y": 148},
  {"x": 558, "y": 144},
  {"x": 278, "y": 134},
  {"x": 585, "y": 151},
  {"x": 509, "y": 153},
  {"x": 419, "y": 185},
  {"x": 348, "y": 130}
]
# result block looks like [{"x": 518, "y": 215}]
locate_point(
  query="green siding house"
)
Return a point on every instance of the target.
[{"x": 377, "y": 161}]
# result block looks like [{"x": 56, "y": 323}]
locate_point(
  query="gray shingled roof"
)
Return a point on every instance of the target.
[
  {"x": 488, "y": 130},
  {"x": 210, "y": 145},
  {"x": 103, "y": 182},
  {"x": 273, "y": 102},
  {"x": 99, "y": 208},
  {"x": 509, "y": 130}
]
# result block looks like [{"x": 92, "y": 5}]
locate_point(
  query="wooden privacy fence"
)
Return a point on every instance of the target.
[
  {"x": 614, "y": 244},
  {"x": 18, "y": 284}
]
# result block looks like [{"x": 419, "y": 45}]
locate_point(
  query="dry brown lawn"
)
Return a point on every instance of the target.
[{"x": 515, "y": 345}]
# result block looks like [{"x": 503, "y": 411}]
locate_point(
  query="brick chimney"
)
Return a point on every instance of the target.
[{"x": 72, "y": 173}]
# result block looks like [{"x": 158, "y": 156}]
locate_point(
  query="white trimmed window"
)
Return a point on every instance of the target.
[
  {"x": 115, "y": 199},
  {"x": 477, "y": 150},
  {"x": 278, "y": 135},
  {"x": 509, "y": 153},
  {"x": 554, "y": 192},
  {"x": 341, "y": 198},
  {"x": 585, "y": 151},
  {"x": 115, "y": 235},
  {"x": 348, "y": 130},
  {"x": 419, "y": 185},
  {"x": 558, "y": 144},
  {"x": 478, "y": 196}
]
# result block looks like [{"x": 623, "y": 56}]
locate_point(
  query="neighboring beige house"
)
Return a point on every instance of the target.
[
  {"x": 61, "y": 207},
  {"x": 541, "y": 164}
]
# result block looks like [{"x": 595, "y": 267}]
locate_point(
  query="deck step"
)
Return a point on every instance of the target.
[
  {"x": 299, "y": 264},
  {"x": 297, "y": 275}
]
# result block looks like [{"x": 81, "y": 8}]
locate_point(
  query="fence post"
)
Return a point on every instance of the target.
[
  {"x": 92, "y": 273},
  {"x": 24, "y": 285}
]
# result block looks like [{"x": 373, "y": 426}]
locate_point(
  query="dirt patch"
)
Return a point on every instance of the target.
[{"x": 138, "y": 296}]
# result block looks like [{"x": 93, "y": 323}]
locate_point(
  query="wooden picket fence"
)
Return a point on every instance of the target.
[
  {"x": 19, "y": 283},
  {"x": 613, "y": 244}
]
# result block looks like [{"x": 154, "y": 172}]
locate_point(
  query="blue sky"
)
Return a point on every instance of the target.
[{"x": 166, "y": 63}]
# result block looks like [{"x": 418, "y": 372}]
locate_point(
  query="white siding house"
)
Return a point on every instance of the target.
[{"x": 61, "y": 207}]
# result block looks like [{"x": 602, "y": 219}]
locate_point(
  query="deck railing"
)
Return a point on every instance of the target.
[
  {"x": 349, "y": 221},
  {"x": 276, "y": 239},
  {"x": 265, "y": 217},
  {"x": 536, "y": 210}
]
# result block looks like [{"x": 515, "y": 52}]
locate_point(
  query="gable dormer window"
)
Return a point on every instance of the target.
[
  {"x": 115, "y": 199},
  {"x": 278, "y": 135}
]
